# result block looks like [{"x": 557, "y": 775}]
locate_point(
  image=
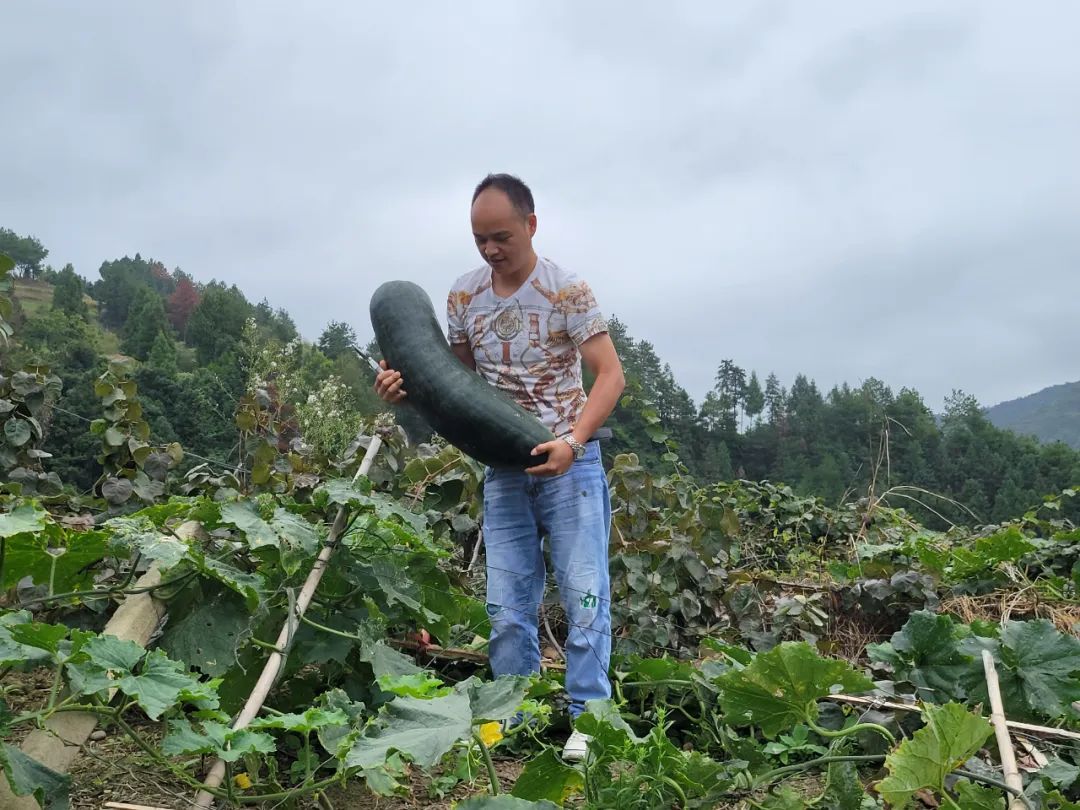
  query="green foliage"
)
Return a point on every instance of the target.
[
  {"x": 26, "y": 399},
  {"x": 1038, "y": 668},
  {"x": 217, "y": 323},
  {"x": 69, "y": 294},
  {"x": 950, "y": 737},
  {"x": 926, "y": 652},
  {"x": 781, "y": 687},
  {"x": 145, "y": 323},
  {"x": 26, "y": 252},
  {"x": 131, "y": 465},
  {"x": 336, "y": 339}
]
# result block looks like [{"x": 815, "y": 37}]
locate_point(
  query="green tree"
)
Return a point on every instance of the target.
[
  {"x": 120, "y": 281},
  {"x": 755, "y": 399},
  {"x": 27, "y": 252},
  {"x": 336, "y": 339},
  {"x": 68, "y": 293},
  {"x": 217, "y": 323},
  {"x": 163, "y": 354},
  {"x": 146, "y": 320},
  {"x": 774, "y": 400}
]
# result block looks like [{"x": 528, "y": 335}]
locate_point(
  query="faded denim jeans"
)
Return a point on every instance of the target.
[{"x": 572, "y": 513}]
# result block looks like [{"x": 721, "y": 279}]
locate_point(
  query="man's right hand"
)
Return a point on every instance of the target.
[{"x": 388, "y": 384}]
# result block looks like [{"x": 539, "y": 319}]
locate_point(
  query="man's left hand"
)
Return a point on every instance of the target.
[{"x": 560, "y": 458}]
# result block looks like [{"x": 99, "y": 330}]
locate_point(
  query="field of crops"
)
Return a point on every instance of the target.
[{"x": 770, "y": 650}]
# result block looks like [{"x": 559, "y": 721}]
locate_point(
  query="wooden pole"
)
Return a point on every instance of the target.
[
  {"x": 1001, "y": 731},
  {"x": 1029, "y": 728},
  {"x": 276, "y": 661}
]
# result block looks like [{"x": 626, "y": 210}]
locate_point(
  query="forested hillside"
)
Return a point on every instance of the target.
[
  {"x": 210, "y": 363},
  {"x": 1050, "y": 415}
]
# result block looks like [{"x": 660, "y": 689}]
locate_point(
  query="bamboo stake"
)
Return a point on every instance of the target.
[
  {"x": 276, "y": 661},
  {"x": 1029, "y": 728},
  {"x": 1001, "y": 731}
]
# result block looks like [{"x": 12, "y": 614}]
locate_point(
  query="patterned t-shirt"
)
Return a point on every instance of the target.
[{"x": 527, "y": 343}]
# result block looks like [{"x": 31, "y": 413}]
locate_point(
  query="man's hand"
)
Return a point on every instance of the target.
[
  {"x": 560, "y": 457},
  {"x": 388, "y": 384}
]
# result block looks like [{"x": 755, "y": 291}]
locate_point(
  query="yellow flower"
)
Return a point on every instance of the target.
[
  {"x": 242, "y": 781},
  {"x": 490, "y": 733}
]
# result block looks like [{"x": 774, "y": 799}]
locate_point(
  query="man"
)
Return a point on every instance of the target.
[{"x": 526, "y": 324}]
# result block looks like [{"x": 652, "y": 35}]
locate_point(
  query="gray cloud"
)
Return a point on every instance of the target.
[{"x": 847, "y": 190}]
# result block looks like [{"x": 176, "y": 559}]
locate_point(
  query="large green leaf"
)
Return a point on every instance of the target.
[
  {"x": 15, "y": 650},
  {"x": 422, "y": 729},
  {"x": 25, "y": 518},
  {"x": 159, "y": 684},
  {"x": 208, "y": 636},
  {"x": 50, "y": 556},
  {"x": 140, "y": 534},
  {"x": 780, "y": 688},
  {"x": 215, "y": 738},
  {"x": 314, "y": 719},
  {"x": 342, "y": 491},
  {"x": 547, "y": 777},
  {"x": 249, "y": 585},
  {"x": 926, "y": 652},
  {"x": 28, "y": 777},
  {"x": 495, "y": 700},
  {"x": 243, "y": 516},
  {"x": 1037, "y": 667},
  {"x": 977, "y": 797},
  {"x": 155, "y": 681},
  {"x": 950, "y": 737}
]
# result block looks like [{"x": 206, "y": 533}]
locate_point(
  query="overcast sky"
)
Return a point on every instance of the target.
[{"x": 846, "y": 189}]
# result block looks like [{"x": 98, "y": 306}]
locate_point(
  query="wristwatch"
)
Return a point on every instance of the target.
[{"x": 578, "y": 447}]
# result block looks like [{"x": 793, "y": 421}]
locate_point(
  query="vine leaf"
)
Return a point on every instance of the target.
[
  {"x": 140, "y": 534},
  {"x": 26, "y": 518},
  {"x": 50, "y": 555},
  {"x": 950, "y": 737},
  {"x": 1037, "y": 666},
  {"x": 314, "y": 719},
  {"x": 16, "y": 650},
  {"x": 497, "y": 699},
  {"x": 779, "y": 688},
  {"x": 926, "y": 652},
  {"x": 422, "y": 729},
  {"x": 28, "y": 777},
  {"x": 978, "y": 797},
  {"x": 547, "y": 777},
  {"x": 159, "y": 684},
  {"x": 215, "y": 738},
  {"x": 208, "y": 636}
]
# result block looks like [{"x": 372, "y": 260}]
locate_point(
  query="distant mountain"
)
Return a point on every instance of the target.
[{"x": 1052, "y": 414}]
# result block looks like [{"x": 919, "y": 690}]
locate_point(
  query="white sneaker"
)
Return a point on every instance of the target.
[{"x": 577, "y": 746}]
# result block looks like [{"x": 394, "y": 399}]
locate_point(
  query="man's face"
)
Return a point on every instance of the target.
[{"x": 503, "y": 236}]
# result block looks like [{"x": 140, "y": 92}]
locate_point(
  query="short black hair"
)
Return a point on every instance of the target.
[{"x": 513, "y": 187}]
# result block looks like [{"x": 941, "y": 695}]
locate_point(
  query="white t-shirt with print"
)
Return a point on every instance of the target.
[{"x": 527, "y": 343}]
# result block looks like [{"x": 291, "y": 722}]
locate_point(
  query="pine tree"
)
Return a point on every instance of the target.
[
  {"x": 163, "y": 354},
  {"x": 146, "y": 320},
  {"x": 68, "y": 292},
  {"x": 336, "y": 339},
  {"x": 755, "y": 399}
]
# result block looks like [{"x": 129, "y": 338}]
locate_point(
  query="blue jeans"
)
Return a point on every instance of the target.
[{"x": 572, "y": 512}]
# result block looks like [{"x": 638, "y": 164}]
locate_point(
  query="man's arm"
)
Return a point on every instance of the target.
[{"x": 599, "y": 355}]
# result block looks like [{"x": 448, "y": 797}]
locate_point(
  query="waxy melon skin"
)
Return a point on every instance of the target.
[{"x": 471, "y": 414}]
